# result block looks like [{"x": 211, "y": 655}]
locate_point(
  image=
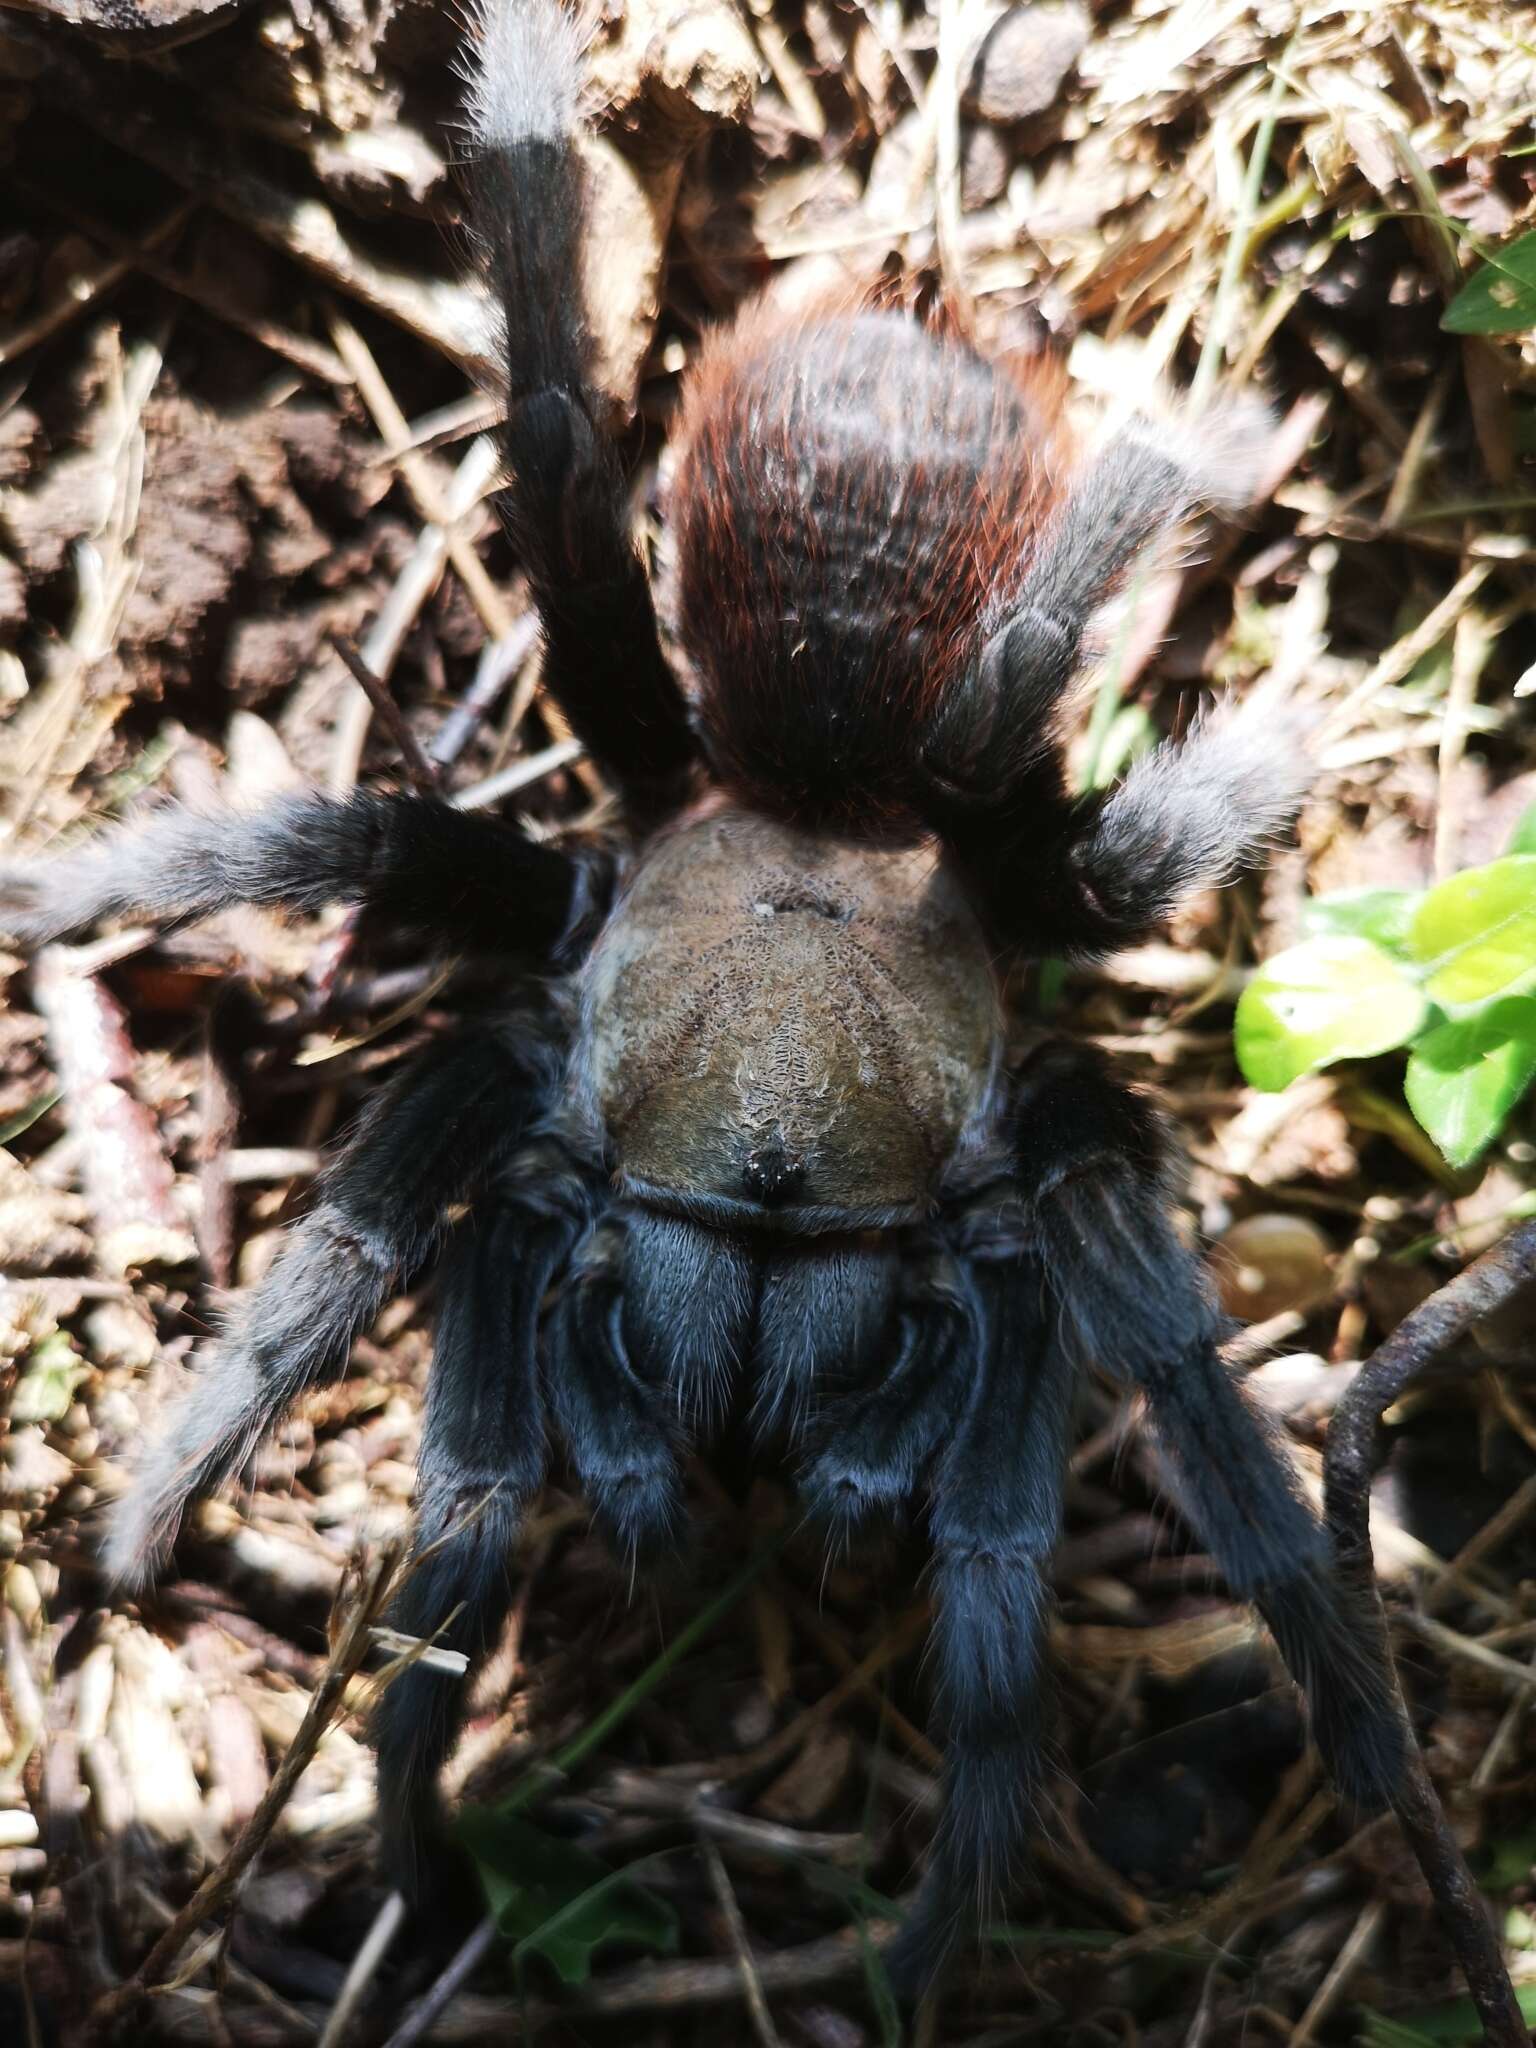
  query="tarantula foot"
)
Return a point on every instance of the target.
[
  {"x": 848, "y": 1502},
  {"x": 641, "y": 1514},
  {"x": 26, "y": 913},
  {"x": 919, "y": 1958}
]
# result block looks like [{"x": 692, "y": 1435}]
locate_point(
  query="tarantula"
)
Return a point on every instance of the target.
[{"x": 771, "y": 1163}]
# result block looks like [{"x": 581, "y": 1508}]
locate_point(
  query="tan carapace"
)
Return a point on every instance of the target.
[{"x": 787, "y": 1023}]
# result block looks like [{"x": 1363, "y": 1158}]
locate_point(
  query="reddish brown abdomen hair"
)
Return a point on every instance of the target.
[{"x": 855, "y": 502}]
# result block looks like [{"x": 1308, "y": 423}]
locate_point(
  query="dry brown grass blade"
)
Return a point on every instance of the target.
[{"x": 366, "y": 1596}]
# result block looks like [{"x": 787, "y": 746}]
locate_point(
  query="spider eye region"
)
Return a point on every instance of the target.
[
  {"x": 771, "y": 1175},
  {"x": 782, "y": 1027}
]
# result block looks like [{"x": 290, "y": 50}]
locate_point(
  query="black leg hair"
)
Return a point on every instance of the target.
[
  {"x": 1056, "y": 873},
  {"x": 688, "y": 1300},
  {"x": 482, "y": 1458},
  {"x": 414, "y": 860},
  {"x": 869, "y": 1449},
  {"x": 1132, "y": 1300},
  {"x": 992, "y": 748},
  {"x": 422, "y": 1144},
  {"x": 1189, "y": 815},
  {"x": 823, "y": 1324},
  {"x": 996, "y": 1510},
  {"x": 615, "y": 1426},
  {"x": 565, "y": 503}
]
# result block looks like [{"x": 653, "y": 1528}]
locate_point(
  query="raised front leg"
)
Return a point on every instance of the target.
[
  {"x": 1058, "y": 873},
  {"x": 414, "y": 860}
]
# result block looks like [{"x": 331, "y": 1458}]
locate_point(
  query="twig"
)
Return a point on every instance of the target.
[
  {"x": 354, "y": 1640},
  {"x": 1450, "y": 1642},
  {"x": 674, "y": 1987},
  {"x": 1471, "y": 644},
  {"x": 499, "y": 661},
  {"x": 1348, "y": 1467},
  {"x": 423, "y": 2014},
  {"x": 387, "y": 1923},
  {"x": 424, "y": 775},
  {"x": 954, "y": 24},
  {"x": 89, "y": 284},
  {"x": 517, "y": 775},
  {"x": 294, "y": 348},
  {"x": 751, "y": 1983},
  {"x": 1239, "y": 243},
  {"x": 1358, "y": 1940},
  {"x": 1400, "y": 658},
  {"x": 417, "y": 579}
]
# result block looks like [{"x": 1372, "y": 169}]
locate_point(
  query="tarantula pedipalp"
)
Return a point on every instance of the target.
[{"x": 770, "y": 1163}]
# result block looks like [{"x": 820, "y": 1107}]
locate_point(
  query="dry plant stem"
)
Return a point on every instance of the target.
[
  {"x": 424, "y": 776},
  {"x": 1344, "y": 1965},
  {"x": 419, "y": 474},
  {"x": 656, "y": 1988},
  {"x": 388, "y": 1921},
  {"x": 751, "y": 1983},
  {"x": 294, "y": 349},
  {"x": 353, "y": 1644},
  {"x": 1350, "y": 1462},
  {"x": 423, "y": 2015},
  {"x": 84, "y": 290}
]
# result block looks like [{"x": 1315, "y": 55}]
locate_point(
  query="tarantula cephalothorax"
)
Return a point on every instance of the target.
[{"x": 771, "y": 1163}]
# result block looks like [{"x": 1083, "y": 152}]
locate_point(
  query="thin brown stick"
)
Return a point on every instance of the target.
[
  {"x": 424, "y": 775},
  {"x": 1348, "y": 1468},
  {"x": 751, "y": 1982},
  {"x": 423, "y": 2014},
  {"x": 353, "y": 1641}
]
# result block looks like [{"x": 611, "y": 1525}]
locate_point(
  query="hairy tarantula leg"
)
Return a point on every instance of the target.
[
  {"x": 995, "y": 1514},
  {"x": 1133, "y": 1301},
  {"x": 871, "y": 1447},
  {"x": 991, "y": 742},
  {"x": 614, "y": 1425},
  {"x": 1189, "y": 815},
  {"x": 565, "y": 504},
  {"x": 482, "y": 1457},
  {"x": 413, "y": 859},
  {"x": 421, "y": 1145}
]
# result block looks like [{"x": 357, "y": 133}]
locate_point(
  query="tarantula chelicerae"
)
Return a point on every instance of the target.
[{"x": 775, "y": 1168}]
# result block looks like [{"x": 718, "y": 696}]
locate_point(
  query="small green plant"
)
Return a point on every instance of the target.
[
  {"x": 1500, "y": 295},
  {"x": 1448, "y": 972},
  {"x": 552, "y": 1899}
]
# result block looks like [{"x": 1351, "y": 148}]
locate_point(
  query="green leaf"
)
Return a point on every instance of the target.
[
  {"x": 1381, "y": 915},
  {"x": 1465, "y": 1077},
  {"x": 26, "y": 1117},
  {"x": 1500, "y": 298},
  {"x": 1131, "y": 734},
  {"x": 1453, "y": 2025},
  {"x": 1476, "y": 934},
  {"x": 1381, "y": 2032},
  {"x": 47, "y": 1386},
  {"x": 1523, "y": 838},
  {"x": 1508, "y": 1862},
  {"x": 1327, "y": 999},
  {"x": 552, "y": 1899}
]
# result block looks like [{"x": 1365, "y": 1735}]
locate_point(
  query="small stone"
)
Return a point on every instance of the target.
[
  {"x": 984, "y": 167},
  {"x": 1269, "y": 1264},
  {"x": 1024, "y": 60}
]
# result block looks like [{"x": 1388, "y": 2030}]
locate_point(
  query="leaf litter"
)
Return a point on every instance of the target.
[{"x": 238, "y": 421}]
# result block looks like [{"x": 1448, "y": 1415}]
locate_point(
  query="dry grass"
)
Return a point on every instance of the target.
[{"x": 235, "y": 363}]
